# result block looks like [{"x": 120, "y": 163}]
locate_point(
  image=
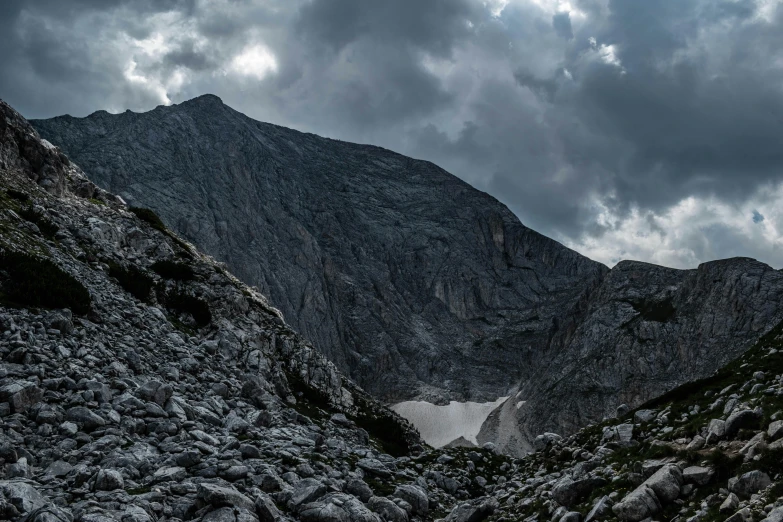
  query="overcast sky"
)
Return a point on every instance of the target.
[{"x": 649, "y": 129}]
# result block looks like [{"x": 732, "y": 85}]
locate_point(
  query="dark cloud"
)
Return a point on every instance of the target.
[
  {"x": 561, "y": 23},
  {"x": 593, "y": 125},
  {"x": 434, "y": 25}
]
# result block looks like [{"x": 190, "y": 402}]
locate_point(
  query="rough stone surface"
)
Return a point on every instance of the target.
[{"x": 748, "y": 483}]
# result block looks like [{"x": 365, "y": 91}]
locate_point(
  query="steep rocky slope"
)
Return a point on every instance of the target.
[
  {"x": 140, "y": 381},
  {"x": 417, "y": 285},
  {"x": 411, "y": 281},
  {"x": 709, "y": 450}
]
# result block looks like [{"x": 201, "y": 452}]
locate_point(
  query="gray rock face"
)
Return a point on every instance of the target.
[
  {"x": 411, "y": 281},
  {"x": 414, "y": 283}
]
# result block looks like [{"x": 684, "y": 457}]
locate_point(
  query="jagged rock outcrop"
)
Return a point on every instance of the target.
[
  {"x": 646, "y": 330},
  {"x": 416, "y": 284}
]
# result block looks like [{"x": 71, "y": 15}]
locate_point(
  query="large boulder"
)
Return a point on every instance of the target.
[
  {"x": 568, "y": 491},
  {"x": 741, "y": 419},
  {"x": 716, "y": 430},
  {"x": 600, "y": 510},
  {"x": 649, "y": 498},
  {"x": 666, "y": 483},
  {"x": 474, "y": 511},
  {"x": 542, "y": 441},
  {"x": 698, "y": 475},
  {"x": 374, "y": 467},
  {"x": 415, "y": 496},
  {"x": 23, "y": 496},
  {"x": 337, "y": 507},
  {"x": 108, "y": 480},
  {"x": 776, "y": 515},
  {"x": 217, "y": 495},
  {"x": 266, "y": 509},
  {"x": 156, "y": 392},
  {"x": 638, "y": 505},
  {"x": 748, "y": 483},
  {"x": 85, "y": 418},
  {"x": 387, "y": 509},
  {"x": 21, "y": 395},
  {"x": 305, "y": 491}
]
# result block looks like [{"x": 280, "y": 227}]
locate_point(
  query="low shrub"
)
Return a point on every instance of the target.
[
  {"x": 173, "y": 270},
  {"x": 44, "y": 224},
  {"x": 148, "y": 216},
  {"x": 39, "y": 282},
  {"x": 184, "y": 303},
  {"x": 132, "y": 279},
  {"x": 725, "y": 466},
  {"x": 18, "y": 195},
  {"x": 385, "y": 428}
]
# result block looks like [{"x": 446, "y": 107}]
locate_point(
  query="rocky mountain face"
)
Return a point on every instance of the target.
[
  {"x": 646, "y": 330},
  {"x": 409, "y": 280},
  {"x": 709, "y": 450},
  {"x": 141, "y": 382},
  {"x": 415, "y": 284}
]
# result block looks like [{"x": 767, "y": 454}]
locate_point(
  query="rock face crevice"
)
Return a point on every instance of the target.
[{"x": 415, "y": 284}]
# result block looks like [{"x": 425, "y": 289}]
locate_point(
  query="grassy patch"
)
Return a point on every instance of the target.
[
  {"x": 133, "y": 280},
  {"x": 150, "y": 217},
  {"x": 183, "y": 303},
  {"x": 173, "y": 270},
  {"x": 38, "y": 282},
  {"x": 44, "y": 224}
]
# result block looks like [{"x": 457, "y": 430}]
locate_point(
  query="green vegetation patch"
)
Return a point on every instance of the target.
[
  {"x": 133, "y": 280},
  {"x": 148, "y": 216},
  {"x": 39, "y": 282},
  {"x": 173, "y": 270},
  {"x": 44, "y": 224},
  {"x": 181, "y": 302},
  {"x": 18, "y": 195}
]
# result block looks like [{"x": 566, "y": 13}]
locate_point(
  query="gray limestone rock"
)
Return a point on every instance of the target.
[
  {"x": 388, "y": 510},
  {"x": 220, "y": 496},
  {"x": 108, "y": 480},
  {"x": 21, "y": 395},
  {"x": 415, "y": 496},
  {"x": 748, "y": 483}
]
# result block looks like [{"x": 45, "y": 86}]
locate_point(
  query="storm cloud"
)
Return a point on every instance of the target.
[{"x": 647, "y": 130}]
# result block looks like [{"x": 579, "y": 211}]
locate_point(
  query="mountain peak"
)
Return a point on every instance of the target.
[{"x": 204, "y": 99}]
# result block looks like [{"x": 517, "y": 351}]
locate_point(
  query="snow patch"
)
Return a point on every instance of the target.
[{"x": 439, "y": 425}]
